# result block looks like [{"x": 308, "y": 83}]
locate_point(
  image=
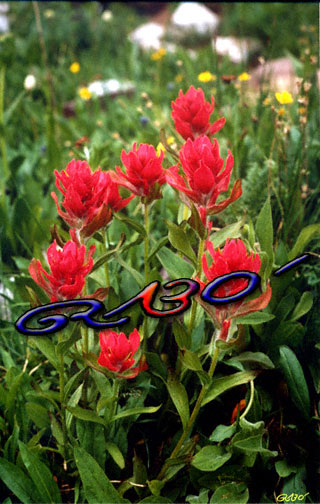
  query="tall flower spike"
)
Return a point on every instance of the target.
[
  {"x": 68, "y": 269},
  {"x": 144, "y": 173},
  {"x": 233, "y": 257},
  {"x": 203, "y": 176},
  {"x": 191, "y": 113},
  {"x": 117, "y": 353},
  {"x": 89, "y": 197}
]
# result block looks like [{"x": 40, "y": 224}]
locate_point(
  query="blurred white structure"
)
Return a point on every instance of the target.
[
  {"x": 111, "y": 87},
  {"x": 148, "y": 36},
  {"x": 4, "y": 21},
  {"x": 193, "y": 18},
  {"x": 237, "y": 50}
]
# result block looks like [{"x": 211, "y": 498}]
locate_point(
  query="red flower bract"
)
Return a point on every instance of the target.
[
  {"x": 144, "y": 173},
  {"x": 68, "y": 270},
  {"x": 233, "y": 257},
  {"x": 117, "y": 353},
  {"x": 204, "y": 178},
  {"x": 89, "y": 197},
  {"x": 190, "y": 113}
]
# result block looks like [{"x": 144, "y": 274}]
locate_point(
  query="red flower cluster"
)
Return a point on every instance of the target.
[
  {"x": 204, "y": 178},
  {"x": 190, "y": 113},
  {"x": 233, "y": 257},
  {"x": 68, "y": 270},
  {"x": 89, "y": 197},
  {"x": 144, "y": 173},
  {"x": 117, "y": 353}
]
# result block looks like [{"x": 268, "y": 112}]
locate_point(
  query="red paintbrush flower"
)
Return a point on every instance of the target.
[
  {"x": 117, "y": 353},
  {"x": 203, "y": 176},
  {"x": 89, "y": 197},
  {"x": 191, "y": 113},
  {"x": 144, "y": 173},
  {"x": 68, "y": 268},
  {"x": 239, "y": 407},
  {"x": 233, "y": 257}
]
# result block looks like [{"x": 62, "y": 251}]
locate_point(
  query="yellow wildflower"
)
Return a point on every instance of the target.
[
  {"x": 75, "y": 67},
  {"x": 302, "y": 110},
  {"x": 48, "y": 13},
  {"x": 266, "y": 101},
  {"x": 206, "y": 77},
  {"x": 158, "y": 55},
  {"x": 284, "y": 97},
  {"x": 84, "y": 93},
  {"x": 178, "y": 78},
  {"x": 244, "y": 77},
  {"x": 160, "y": 148},
  {"x": 281, "y": 111},
  {"x": 170, "y": 140}
]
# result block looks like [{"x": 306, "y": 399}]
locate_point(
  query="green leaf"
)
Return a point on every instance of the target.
[
  {"x": 56, "y": 430},
  {"x": 249, "y": 439},
  {"x": 132, "y": 223},
  {"x": 46, "y": 346},
  {"x": 305, "y": 236},
  {"x": 12, "y": 394},
  {"x": 232, "y": 493},
  {"x": 223, "y": 432},
  {"x": 17, "y": 481},
  {"x": 198, "y": 499},
  {"x": 174, "y": 265},
  {"x": 38, "y": 414},
  {"x": 105, "y": 257},
  {"x": 155, "y": 487},
  {"x": 135, "y": 411},
  {"x": 296, "y": 381},
  {"x": 284, "y": 469},
  {"x": 10, "y": 110},
  {"x": 73, "y": 401},
  {"x": 179, "y": 241},
  {"x": 115, "y": 454},
  {"x": 259, "y": 358},
  {"x": 210, "y": 458},
  {"x": 179, "y": 397},
  {"x": 97, "y": 487},
  {"x": 181, "y": 335},
  {"x": 264, "y": 230},
  {"x": 41, "y": 476},
  {"x": 231, "y": 231},
  {"x": 152, "y": 499},
  {"x": 220, "y": 385},
  {"x": 253, "y": 444},
  {"x": 304, "y": 305},
  {"x": 136, "y": 275},
  {"x": 83, "y": 414},
  {"x": 63, "y": 346},
  {"x": 190, "y": 360},
  {"x": 159, "y": 244},
  {"x": 255, "y": 318}
]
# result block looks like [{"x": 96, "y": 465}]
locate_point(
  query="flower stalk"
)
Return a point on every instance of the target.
[
  {"x": 193, "y": 415},
  {"x": 146, "y": 269},
  {"x": 5, "y": 167},
  {"x": 62, "y": 402}
]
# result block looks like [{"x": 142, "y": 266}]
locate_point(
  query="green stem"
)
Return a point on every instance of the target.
[
  {"x": 193, "y": 416},
  {"x": 195, "y": 304},
  {"x": 5, "y": 168},
  {"x": 246, "y": 411},
  {"x": 116, "y": 390},
  {"x": 62, "y": 401},
  {"x": 106, "y": 268},
  {"x": 146, "y": 269},
  {"x": 85, "y": 346}
]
